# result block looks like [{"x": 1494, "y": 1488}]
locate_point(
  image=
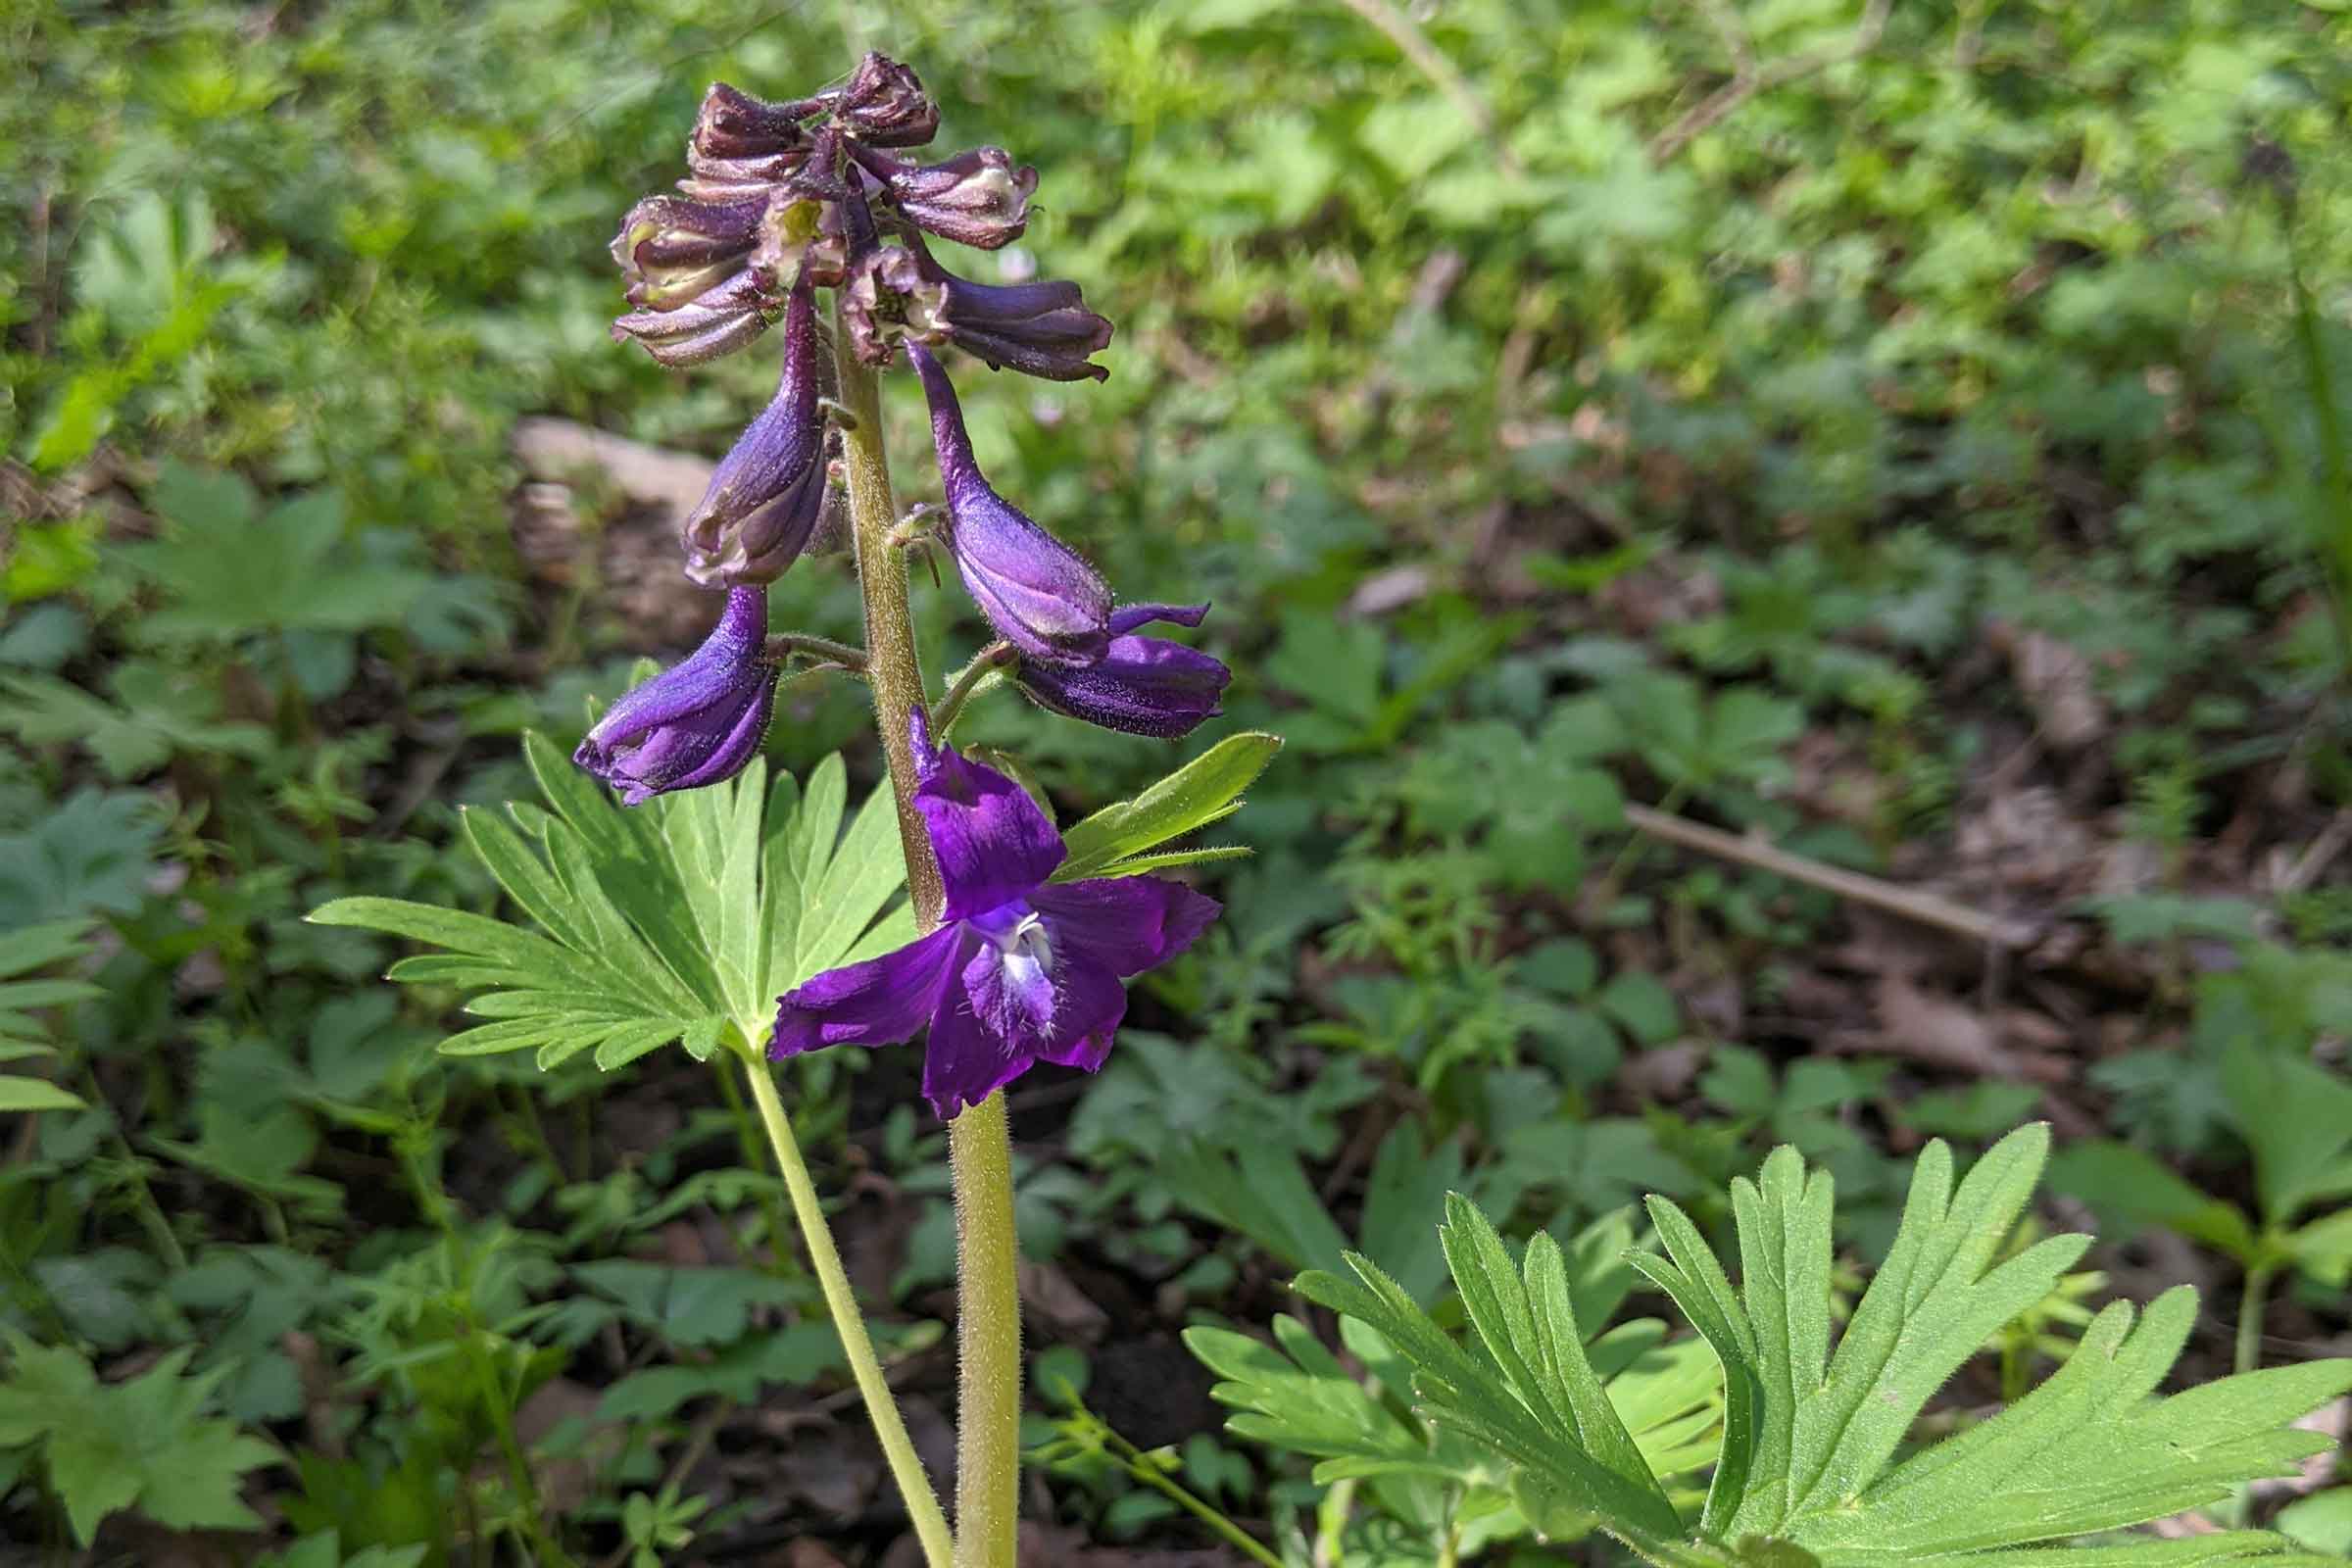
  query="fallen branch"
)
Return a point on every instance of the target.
[
  {"x": 1749, "y": 79},
  {"x": 1927, "y": 908}
]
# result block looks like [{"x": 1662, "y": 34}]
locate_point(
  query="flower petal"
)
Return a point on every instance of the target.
[
  {"x": 881, "y": 1002},
  {"x": 1010, "y": 978},
  {"x": 1126, "y": 925},
  {"x": 963, "y": 1063},
  {"x": 1091, "y": 1003},
  {"x": 992, "y": 842}
]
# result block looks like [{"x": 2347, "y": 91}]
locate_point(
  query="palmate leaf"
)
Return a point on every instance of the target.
[
  {"x": 1802, "y": 1475},
  {"x": 675, "y": 921}
]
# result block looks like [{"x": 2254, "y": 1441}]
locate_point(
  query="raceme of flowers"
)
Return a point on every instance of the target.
[{"x": 783, "y": 199}]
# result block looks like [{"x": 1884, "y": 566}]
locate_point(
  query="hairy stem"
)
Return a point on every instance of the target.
[
  {"x": 988, "y": 1314},
  {"x": 988, "y": 1340},
  {"x": 922, "y": 1505}
]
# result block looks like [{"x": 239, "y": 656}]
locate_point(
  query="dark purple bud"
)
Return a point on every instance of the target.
[
  {"x": 1042, "y": 329},
  {"x": 735, "y": 179},
  {"x": 697, "y": 722},
  {"x": 1143, "y": 685},
  {"x": 672, "y": 251},
  {"x": 722, "y": 320},
  {"x": 1038, "y": 593},
  {"x": 765, "y": 496},
  {"x": 732, "y": 124},
  {"x": 885, "y": 104},
  {"x": 976, "y": 198}
]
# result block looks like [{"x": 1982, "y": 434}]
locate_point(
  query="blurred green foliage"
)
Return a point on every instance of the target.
[{"x": 1537, "y": 461}]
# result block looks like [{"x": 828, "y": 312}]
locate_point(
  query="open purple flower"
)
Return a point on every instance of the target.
[
  {"x": 1039, "y": 593},
  {"x": 1020, "y": 970},
  {"x": 697, "y": 722},
  {"x": 764, "y": 499},
  {"x": 1143, "y": 685},
  {"x": 673, "y": 251}
]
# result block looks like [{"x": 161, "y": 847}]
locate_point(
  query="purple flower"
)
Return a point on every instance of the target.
[
  {"x": 1039, "y": 594},
  {"x": 884, "y": 105},
  {"x": 719, "y": 321},
  {"x": 1143, "y": 685},
  {"x": 761, "y": 506},
  {"x": 1041, "y": 329},
  {"x": 975, "y": 198},
  {"x": 1020, "y": 970},
  {"x": 697, "y": 722},
  {"x": 673, "y": 251},
  {"x": 733, "y": 125}
]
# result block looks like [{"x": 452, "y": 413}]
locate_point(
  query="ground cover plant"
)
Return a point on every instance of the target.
[{"x": 1797, "y": 558}]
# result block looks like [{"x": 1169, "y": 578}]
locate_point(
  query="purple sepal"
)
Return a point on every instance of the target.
[
  {"x": 719, "y": 321},
  {"x": 992, "y": 841},
  {"x": 978, "y": 198},
  {"x": 766, "y": 494},
  {"x": 673, "y": 251},
  {"x": 1042, "y": 329},
  {"x": 1039, "y": 594},
  {"x": 697, "y": 722},
  {"x": 885, "y": 104},
  {"x": 1141, "y": 685}
]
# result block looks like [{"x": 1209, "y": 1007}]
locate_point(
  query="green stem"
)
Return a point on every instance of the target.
[
  {"x": 2250, "y": 1303},
  {"x": 986, "y": 663},
  {"x": 747, "y": 1137},
  {"x": 501, "y": 1410},
  {"x": 988, "y": 1313},
  {"x": 988, "y": 1340},
  {"x": 1158, "y": 1479},
  {"x": 922, "y": 1505},
  {"x": 784, "y": 644}
]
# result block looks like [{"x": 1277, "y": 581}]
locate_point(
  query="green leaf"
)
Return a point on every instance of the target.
[
  {"x": 1807, "y": 1471},
  {"x": 677, "y": 921},
  {"x": 144, "y": 1442},
  {"x": 2132, "y": 1189},
  {"x": 1202, "y": 791},
  {"x": 36, "y": 1093},
  {"x": 2297, "y": 1116}
]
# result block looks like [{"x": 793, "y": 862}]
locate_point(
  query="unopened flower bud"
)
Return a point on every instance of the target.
[
  {"x": 733, "y": 125},
  {"x": 885, "y": 104},
  {"x": 719, "y": 320},
  {"x": 766, "y": 495},
  {"x": 698, "y": 722},
  {"x": 672, "y": 251},
  {"x": 976, "y": 198},
  {"x": 1040, "y": 594},
  {"x": 1042, "y": 329}
]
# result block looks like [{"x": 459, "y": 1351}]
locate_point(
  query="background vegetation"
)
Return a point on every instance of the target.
[{"x": 1914, "y": 435}]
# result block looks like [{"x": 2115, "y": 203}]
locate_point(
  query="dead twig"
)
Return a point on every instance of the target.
[
  {"x": 1928, "y": 909},
  {"x": 1750, "y": 77},
  {"x": 1431, "y": 62}
]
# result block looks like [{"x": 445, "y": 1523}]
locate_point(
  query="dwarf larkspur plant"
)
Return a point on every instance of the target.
[
  {"x": 720, "y": 913},
  {"x": 711, "y": 908}
]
